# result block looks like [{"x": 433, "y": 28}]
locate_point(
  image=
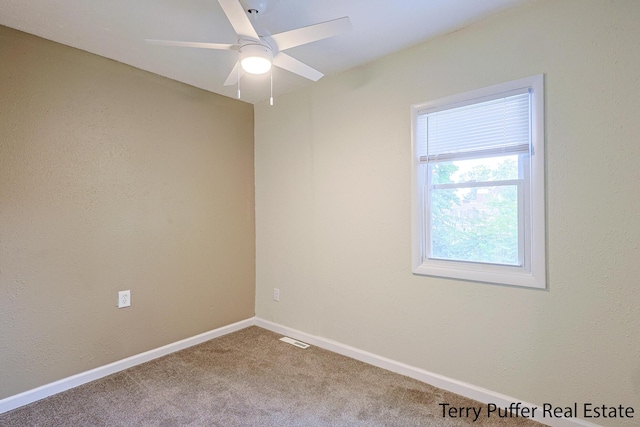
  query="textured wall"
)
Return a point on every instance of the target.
[
  {"x": 333, "y": 210},
  {"x": 112, "y": 178}
]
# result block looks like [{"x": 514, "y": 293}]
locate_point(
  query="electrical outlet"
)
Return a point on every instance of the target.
[
  {"x": 276, "y": 294},
  {"x": 124, "y": 299}
]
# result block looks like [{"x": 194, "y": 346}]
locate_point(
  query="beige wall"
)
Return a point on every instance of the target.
[
  {"x": 112, "y": 178},
  {"x": 333, "y": 210}
]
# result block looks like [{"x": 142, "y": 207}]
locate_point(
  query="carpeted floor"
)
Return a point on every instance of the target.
[{"x": 250, "y": 378}]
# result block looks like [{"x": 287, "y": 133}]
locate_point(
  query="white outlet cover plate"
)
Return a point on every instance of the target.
[{"x": 124, "y": 299}]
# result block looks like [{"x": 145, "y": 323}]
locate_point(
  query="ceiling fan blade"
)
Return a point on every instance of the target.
[
  {"x": 289, "y": 63},
  {"x": 238, "y": 18},
  {"x": 304, "y": 35},
  {"x": 193, "y": 44},
  {"x": 233, "y": 76}
]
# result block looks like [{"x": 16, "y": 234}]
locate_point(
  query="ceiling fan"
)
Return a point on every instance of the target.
[{"x": 257, "y": 49}]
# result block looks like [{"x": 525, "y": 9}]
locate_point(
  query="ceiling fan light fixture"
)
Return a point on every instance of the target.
[{"x": 256, "y": 58}]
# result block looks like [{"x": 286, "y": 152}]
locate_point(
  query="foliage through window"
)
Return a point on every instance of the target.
[{"x": 478, "y": 202}]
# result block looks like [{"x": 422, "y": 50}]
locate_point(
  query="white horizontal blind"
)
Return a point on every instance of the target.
[{"x": 489, "y": 128}]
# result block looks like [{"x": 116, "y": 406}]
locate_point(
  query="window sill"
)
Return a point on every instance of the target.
[{"x": 486, "y": 273}]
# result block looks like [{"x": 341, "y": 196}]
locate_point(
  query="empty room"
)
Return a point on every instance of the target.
[{"x": 436, "y": 203}]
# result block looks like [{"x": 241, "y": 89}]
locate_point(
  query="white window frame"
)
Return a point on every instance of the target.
[{"x": 532, "y": 272}]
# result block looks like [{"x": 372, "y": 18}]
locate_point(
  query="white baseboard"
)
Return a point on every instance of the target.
[
  {"x": 459, "y": 387},
  {"x": 454, "y": 386},
  {"x": 30, "y": 396}
]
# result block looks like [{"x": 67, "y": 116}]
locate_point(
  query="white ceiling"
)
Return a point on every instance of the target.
[{"x": 116, "y": 29}]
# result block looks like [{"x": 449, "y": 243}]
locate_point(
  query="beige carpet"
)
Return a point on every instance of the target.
[{"x": 250, "y": 378}]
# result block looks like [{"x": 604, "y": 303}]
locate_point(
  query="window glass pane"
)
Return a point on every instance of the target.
[
  {"x": 475, "y": 170},
  {"x": 477, "y": 224}
]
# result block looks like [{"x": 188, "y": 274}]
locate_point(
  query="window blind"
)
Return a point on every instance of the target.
[{"x": 495, "y": 127}]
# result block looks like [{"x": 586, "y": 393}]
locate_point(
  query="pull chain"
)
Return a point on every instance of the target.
[
  {"x": 238, "y": 76},
  {"x": 271, "y": 99}
]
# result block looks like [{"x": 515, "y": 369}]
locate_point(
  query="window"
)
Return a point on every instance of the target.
[{"x": 478, "y": 185}]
